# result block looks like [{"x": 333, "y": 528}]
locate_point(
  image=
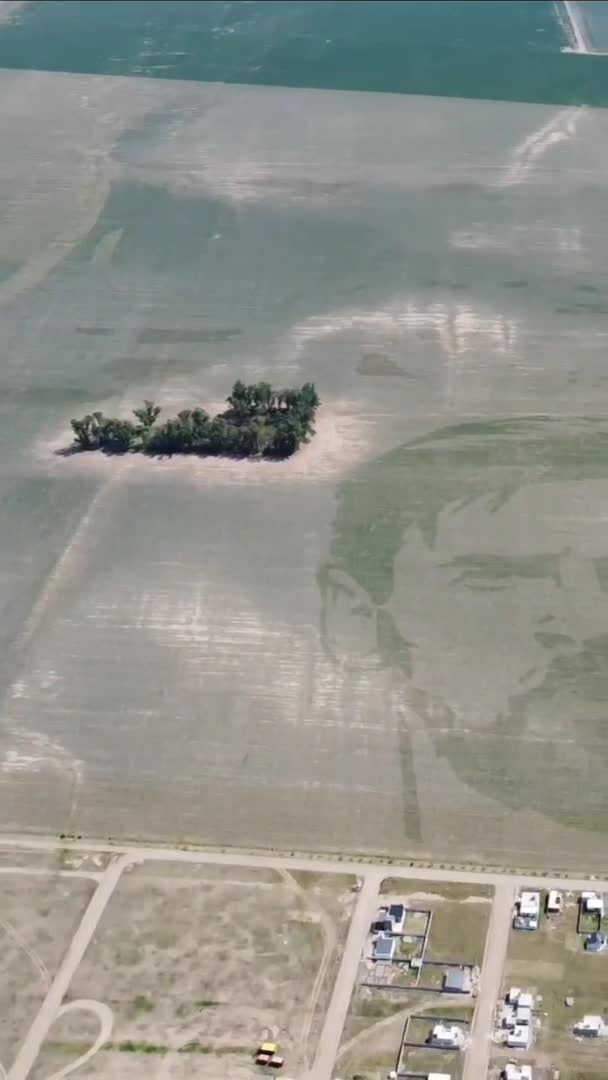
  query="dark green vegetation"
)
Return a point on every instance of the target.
[
  {"x": 453, "y": 48},
  {"x": 260, "y": 422}
]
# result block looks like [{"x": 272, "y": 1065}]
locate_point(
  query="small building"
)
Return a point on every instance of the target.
[
  {"x": 512, "y": 1071},
  {"x": 457, "y": 981},
  {"x": 382, "y": 925},
  {"x": 508, "y": 1019},
  {"x": 527, "y": 911},
  {"x": 396, "y": 914},
  {"x": 523, "y": 1016},
  {"x": 519, "y": 1037},
  {"x": 590, "y": 1027},
  {"x": 384, "y": 947},
  {"x": 389, "y": 920},
  {"x": 555, "y": 902},
  {"x": 439, "y": 1076},
  {"x": 520, "y": 998},
  {"x": 529, "y": 904},
  {"x": 596, "y": 943},
  {"x": 592, "y": 903},
  {"x": 447, "y": 1037}
]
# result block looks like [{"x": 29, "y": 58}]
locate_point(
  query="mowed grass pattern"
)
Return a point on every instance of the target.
[{"x": 386, "y": 644}]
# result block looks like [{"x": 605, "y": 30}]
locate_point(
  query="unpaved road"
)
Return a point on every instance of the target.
[
  {"x": 49, "y": 1009},
  {"x": 335, "y": 1017},
  {"x": 497, "y": 941}
]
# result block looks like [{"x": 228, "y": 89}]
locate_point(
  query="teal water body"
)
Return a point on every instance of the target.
[{"x": 500, "y": 50}]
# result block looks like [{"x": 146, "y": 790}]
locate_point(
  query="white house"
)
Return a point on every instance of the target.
[
  {"x": 529, "y": 904},
  {"x": 592, "y": 903},
  {"x": 554, "y": 902},
  {"x": 439, "y": 1076},
  {"x": 527, "y": 911},
  {"x": 517, "y": 1072},
  {"x": 526, "y": 999},
  {"x": 519, "y": 1038},
  {"x": 513, "y": 995},
  {"x": 508, "y": 1019},
  {"x": 449, "y": 1038},
  {"x": 523, "y": 1015},
  {"x": 590, "y": 1027}
]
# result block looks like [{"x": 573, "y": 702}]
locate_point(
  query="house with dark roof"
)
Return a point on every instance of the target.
[
  {"x": 382, "y": 925},
  {"x": 596, "y": 943},
  {"x": 396, "y": 913},
  {"x": 457, "y": 981}
]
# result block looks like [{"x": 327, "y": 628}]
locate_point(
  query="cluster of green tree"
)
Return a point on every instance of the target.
[{"x": 259, "y": 422}]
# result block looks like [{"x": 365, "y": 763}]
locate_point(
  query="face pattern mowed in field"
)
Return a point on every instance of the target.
[{"x": 395, "y": 641}]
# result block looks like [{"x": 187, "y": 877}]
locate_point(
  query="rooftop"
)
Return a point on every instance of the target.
[
  {"x": 529, "y": 903},
  {"x": 595, "y": 942},
  {"x": 384, "y": 948},
  {"x": 590, "y": 1022},
  {"x": 457, "y": 980},
  {"x": 591, "y": 901},
  {"x": 517, "y": 1072},
  {"x": 520, "y": 1036}
]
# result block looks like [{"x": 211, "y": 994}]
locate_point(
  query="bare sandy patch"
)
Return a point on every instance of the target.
[{"x": 344, "y": 436}]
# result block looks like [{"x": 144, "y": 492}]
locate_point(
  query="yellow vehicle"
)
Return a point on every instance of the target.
[{"x": 269, "y": 1048}]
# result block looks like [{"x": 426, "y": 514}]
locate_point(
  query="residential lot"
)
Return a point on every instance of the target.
[
  {"x": 567, "y": 983},
  {"x": 39, "y": 913},
  {"x": 448, "y": 925},
  {"x": 198, "y": 966}
]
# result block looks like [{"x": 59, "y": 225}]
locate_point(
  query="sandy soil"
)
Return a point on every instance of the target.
[
  {"x": 342, "y": 440},
  {"x": 199, "y": 969},
  {"x": 38, "y": 916}
]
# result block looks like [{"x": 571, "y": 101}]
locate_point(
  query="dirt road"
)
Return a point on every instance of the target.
[
  {"x": 37, "y": 1033},
  {"x": 321, "y": 864},
  {"x": 335, "y": 1018},
  {"x": 497, "y": 940}
]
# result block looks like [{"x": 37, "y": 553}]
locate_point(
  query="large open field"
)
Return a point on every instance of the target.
[
  {"x": 394, "y": 642},
  {"x": 191, "y": 968}
]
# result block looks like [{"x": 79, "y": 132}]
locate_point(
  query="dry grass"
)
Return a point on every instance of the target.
[
  {"x": 199, "y": 969},
  {"x": 447, "y": 890},
  {"x": 38, "y": 917}
]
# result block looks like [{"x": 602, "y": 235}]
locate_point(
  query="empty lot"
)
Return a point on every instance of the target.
[
  {"x": 198, "y": 965},
  {"x": 39, "y": 913}
]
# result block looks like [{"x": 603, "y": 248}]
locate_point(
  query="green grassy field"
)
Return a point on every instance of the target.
[{"x": 373, "y": 647}]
